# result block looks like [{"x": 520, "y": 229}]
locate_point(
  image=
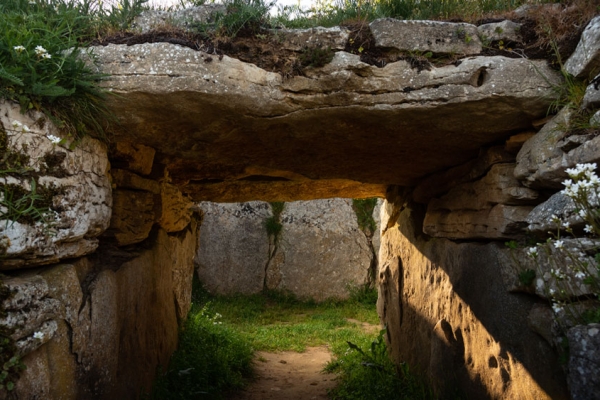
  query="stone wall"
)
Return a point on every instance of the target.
[
  {"x": 318, "y": 253},
  {"x": 449, "y": 288},
  {"x": 98, "y": 288}
]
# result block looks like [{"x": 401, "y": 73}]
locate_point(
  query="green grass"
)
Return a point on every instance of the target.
[
  {"x": 276, "y": 322},
  {"x": 211, "y": 359}
]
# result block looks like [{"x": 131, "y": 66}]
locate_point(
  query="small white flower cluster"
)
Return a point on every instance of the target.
[
  {"x": 18, "y": 126},
  {"x": 557, "y": 273},
  {"x": 38, "y": 335},
  {"x": 42, "y": 52},
  {"x": 215, "y": 318},
  {"x": 584, "y": 182},
  {"x": 532, "y": 252},
  {"x": 54, "y": 139},
  {"x": 557, "y": 307}
]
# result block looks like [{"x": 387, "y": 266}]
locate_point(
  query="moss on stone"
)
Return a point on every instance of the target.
[{"x": 363, "y": 208}]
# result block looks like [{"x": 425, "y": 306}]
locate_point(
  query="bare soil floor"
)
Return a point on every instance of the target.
[{"x": 290, "y": 376}]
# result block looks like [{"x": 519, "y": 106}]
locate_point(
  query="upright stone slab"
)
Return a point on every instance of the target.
[
  {"x": 233, "y": 246},
  {"x": 321, "y": 251},
  {"x": 450, "y": 318},
  {"x": 585, "y": 60}
]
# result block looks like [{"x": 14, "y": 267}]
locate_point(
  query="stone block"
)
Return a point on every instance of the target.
[
  {"x": 424, "y": 36},
  {"x": 585, "y": 60}
]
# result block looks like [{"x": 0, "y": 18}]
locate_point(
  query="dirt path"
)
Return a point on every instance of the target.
[{"x": 290, "y": 376}]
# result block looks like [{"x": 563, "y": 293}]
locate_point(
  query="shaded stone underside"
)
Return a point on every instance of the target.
[{"x": 229, "y": 131}]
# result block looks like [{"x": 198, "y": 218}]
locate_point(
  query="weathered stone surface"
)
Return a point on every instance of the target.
[
  {"x": 176, "y": 210},
  {"x": 62, "y": 366},
  {"x": 584, "y": 362},
  {"x": 528, "y": 10},
  {"x": 540, "y": 219},
  {"x": 586, "y": 58},
  {"x": 186, "y": 18},
  {"x": 232, "y": 124},
  {"x": 233, "y": 246},
  {"x": 438, "y": 184},
  {"x": 183, "y": 251},
  {"x": 486, "y": 344},
  {"x": 80, "y": 192},
  {"x": 498, "y": 222},
  {"x": 147, "y": 318},
  {"x": 543, "y": 159},
  {"x": 133, "y": 157},
  {"x": 30, "y": 311},
  {"x": 128, "y": 180},
  {"x": 591, "y": 99},
  {"x": 320, "y": 250},
  {"x": 555, "y": 269},
  {"x": 376, "y": 239},
  {"x": 34, "y": 382},
  {"x": 434, "y": 36},
  {"x": 515, "y": 142},
  {"x": 481, "y": 209},
  {"x": 540, "y": 319},
  {"x": 282, "y": 190},
  {"x": 506, "y": 31},
  {"x": 333, "y": 38},
  {"x": 133, "y": 216},
  {"x": 595, "y": 120}
]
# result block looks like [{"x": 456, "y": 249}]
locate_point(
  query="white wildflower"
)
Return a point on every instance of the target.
[
  {"x": 589, "y": 229},
  {"x": 19, "y": 49},
  {"x": 532, "y": 252},
  {"x": 38, "y": 335},
  {"x": 40, "y": 51},
  {"x": 566, "y": 225},
  {"x": 552, "y": 291},
  {"x": 16, "y": 124},
  {"x": 54, "y": 139},
  {"x": 557, "y": 308},
  {"x": 559, "y": 244},
  {"x": 579, "y": 275}
]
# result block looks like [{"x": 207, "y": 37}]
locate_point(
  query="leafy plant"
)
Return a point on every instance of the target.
[
  {"x": 243, "y": 18},
  {"x": 316, "y": 57},
  {"x": 371, "y": 374},
  {"x": 526, "y": 277},
  {"x": 19, "y": 204},
  {"x": 40, "y": 58}
]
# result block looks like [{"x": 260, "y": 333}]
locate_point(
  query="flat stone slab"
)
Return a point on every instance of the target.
[
  {"x": 230, "y": 123},
  {"x": 423, "y": 36}
]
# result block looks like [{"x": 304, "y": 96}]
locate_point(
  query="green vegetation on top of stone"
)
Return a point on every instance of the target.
[{"x": 41, "y": 66}]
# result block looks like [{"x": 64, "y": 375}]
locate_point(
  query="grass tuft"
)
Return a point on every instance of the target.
[
  {"x": 364, "y": 213},
  {"x": 365, "y": 371}
]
